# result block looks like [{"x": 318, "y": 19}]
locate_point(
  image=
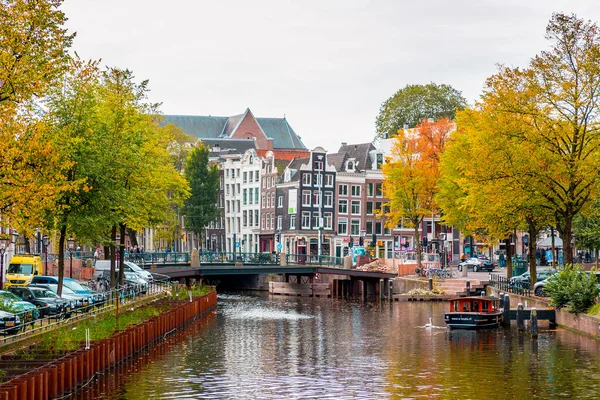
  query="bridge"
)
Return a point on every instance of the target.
[{"x": 244, "y": 269}]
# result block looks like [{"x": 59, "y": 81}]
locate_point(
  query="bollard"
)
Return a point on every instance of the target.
[
  {"x": 465, "y": 271},
  {"x": 501, "y": 303},
  {"x": 468, "y": 287},
  {"x": 506, "y": 310},
  {"x": 520, "y": 320},
  {"x": 390, "y": 289},
  {"x": 380, "y": 288},
  {"x": 533, "y": 324},
  {"x": 430, "y": 284}
]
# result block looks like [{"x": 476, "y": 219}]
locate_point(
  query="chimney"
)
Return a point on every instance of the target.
[{"x": 344, "y": 143}]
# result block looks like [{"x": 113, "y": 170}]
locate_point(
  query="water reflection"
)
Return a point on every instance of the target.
[{"x": 284, "y": 348}]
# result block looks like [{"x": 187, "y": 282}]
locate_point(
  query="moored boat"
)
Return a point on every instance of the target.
[{"x": 474, "y": 312}]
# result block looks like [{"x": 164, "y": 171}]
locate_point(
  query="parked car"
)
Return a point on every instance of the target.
[
  {"x": 102, "y": 267},
  {"x": 524, "y": 281},
  {"x": 9, "y": 323},
  {"x": 476, "y": 264},
  {"x": 133, "y": 280},
  {"x": 12, "y": 303},
  {"x": 78, "y": 301},
  {"x": 46, "y": 300},
  {"x": 78, "y": 288}
]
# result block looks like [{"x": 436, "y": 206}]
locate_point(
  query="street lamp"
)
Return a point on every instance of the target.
[
  {"x": 4, "y": 243},
  {"x": 45, "y": 243},
  {"x": 71, "y": 245}
]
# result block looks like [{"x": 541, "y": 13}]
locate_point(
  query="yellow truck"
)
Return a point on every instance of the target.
[{"x": 22, "y": 269}]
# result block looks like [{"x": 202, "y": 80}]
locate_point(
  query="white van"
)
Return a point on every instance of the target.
[{"x": 104, "y": 265}]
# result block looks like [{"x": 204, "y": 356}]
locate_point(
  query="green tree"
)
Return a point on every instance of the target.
[
  {"x": 414, "y": 103},
  {"x": 554, "y": 106},
  {"x": 201, "y": 207},
  {"x": 587, "y": 230}
]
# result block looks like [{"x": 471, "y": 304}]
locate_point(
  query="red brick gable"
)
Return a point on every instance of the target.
[{"x": 248, "y": 128}]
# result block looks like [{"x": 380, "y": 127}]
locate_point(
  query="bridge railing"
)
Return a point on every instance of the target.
[
  {"x": 238, "y": 257},
  {"x": 311, "y": 259},
  {"x": 159, "y": 258}
]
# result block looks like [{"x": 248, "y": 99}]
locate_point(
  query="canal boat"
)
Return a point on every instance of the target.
[{"x": 474, "y": 312}]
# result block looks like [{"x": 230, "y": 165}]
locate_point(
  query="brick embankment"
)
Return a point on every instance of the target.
[{"x": 48, "y": 379}]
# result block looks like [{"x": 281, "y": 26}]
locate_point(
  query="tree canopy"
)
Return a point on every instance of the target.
[{"x": 412, "y": 104}]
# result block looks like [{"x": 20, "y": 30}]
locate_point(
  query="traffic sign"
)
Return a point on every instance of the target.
[
  {"x": 279, "y": 246},
  {"x": 317, "y": 276},
  {"x": 237, "y": 245}
]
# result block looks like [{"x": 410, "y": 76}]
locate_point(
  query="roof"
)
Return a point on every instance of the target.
[
  {"x": 360, "y": 152},
  {"x": 205, "y": 127},
  {"x": 230, "y": 145}
]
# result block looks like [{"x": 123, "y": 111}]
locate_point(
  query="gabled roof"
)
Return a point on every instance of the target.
[
  {"x": 230, "y": 145},
  {"x": 204, "y": 127},
  {"x": 360, "y": 152}
]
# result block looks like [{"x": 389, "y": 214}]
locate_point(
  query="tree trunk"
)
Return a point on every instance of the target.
[
  {"x": 508, "y": 257},
  {"x": 566, "y": 238},
  {"x": 113, "y": 238},
  {"x": 61, "y": 259},
  {"x": 418, "y": 247},
  {"x": 122, "y": 228},
  {"x": 532, "y": 231}
]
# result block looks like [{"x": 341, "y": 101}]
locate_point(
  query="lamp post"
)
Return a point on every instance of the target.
[
  {"x": 45, "y": 243},
  {"x": 71, "y": 245},
  {"x": 4, "y": 243}
]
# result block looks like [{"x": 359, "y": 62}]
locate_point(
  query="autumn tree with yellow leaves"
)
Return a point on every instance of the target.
[{"x": 411, "y": 174}]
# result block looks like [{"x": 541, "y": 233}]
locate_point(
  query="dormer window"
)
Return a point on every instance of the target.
[
  {"x": 379, "y": 161},
  {"x": 351, "y": 165}
]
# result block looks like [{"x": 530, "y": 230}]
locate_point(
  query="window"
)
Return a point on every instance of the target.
[
  {"x": 355, "y": 207},
  {"x": 264, "y": 183},
  {"x": 355, "y": 227},
  {"x": 245, "y": 218},
  {"x": 279, "y": 220},
  {"x": 273, "y": 199},
  {"x": 328, "y": 199},
  {"x": 305, "y": 220},
  {"x": 343, "y": 190},
  {"x": 318, "y": 180},
  {"x": 232, "y": 173},
  {"x": 262, "y": 223},
  {"x": 379, "y": 189},
  {"x": 245, "y": 177},
  {"x": 268, "y": 184},
  {"x": 315, "y": 220},
  {"x": 377, "y": 206},
  {"x": 328, "y": 220},
  {"x": 227, "y": 189},
  {"x": 306, "y": 179},
  {"x": 342, "y": 226},
  {"x": 316, "y": 198},
  {"x": 272, "y": 221},
  {"x": 355, "y": 190},
  {"x": 343, "y": 207},
  {"x": 245, "y": 196},
  {"x": 256, "y": 196},
  {"x": 268, "y": 201},
  {"x": 250, "y": 198},
  {"x": 280, "y": 202},
  {"x": 329, "y": 180},
  {"x": 379, "y": 160},
  {"x": 318, "y": 165},
  {"x": 369, "y": 207},
  {"x": 369, "y": 189},
  {"x": 292, "y": 221},
  {"x": 256, "y": 176},
  {"x": 227, "y": 173},
  {"x": 306, "y": 197},
  {"x": 369, "y": 227},
  {"x": 250, "y": 218},
  {"x": 256, "y": 218},
  {"x": 378, "y": 228},
  {"x": 350, "y": 166}
]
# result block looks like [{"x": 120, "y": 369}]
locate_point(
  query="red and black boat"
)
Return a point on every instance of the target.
[{"x": 474, "y": 312}]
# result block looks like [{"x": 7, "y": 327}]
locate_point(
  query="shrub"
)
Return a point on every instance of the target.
[{"x": 572, "y": 287}]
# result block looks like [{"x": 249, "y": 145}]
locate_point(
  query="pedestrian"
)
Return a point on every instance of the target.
[{"x": 96, "y": 255}]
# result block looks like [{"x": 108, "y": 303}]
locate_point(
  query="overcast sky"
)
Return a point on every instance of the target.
[{"x": 326, "y": 65}]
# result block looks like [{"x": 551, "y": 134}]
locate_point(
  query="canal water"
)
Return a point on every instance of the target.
[{"x": 256, "y": 347}]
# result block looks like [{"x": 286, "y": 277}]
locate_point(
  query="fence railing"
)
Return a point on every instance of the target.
[
  {"x": 13, "y": 325},
  {"x": 311, "y": 259},
  {"x": 502, "y": 283}
]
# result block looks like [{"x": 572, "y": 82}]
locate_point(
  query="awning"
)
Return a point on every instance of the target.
[{"x": 548, "y": 242}]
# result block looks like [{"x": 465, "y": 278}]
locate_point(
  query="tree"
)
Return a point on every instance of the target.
[
  {"x": 414, "y": 103},
  {"x": 412, "y": 173},
  {"x": 587, "y": 230},
  {"x": 554, "y": 104},
  {"x": 201, "y": 207},
  {"x": 33, "y": 47}
]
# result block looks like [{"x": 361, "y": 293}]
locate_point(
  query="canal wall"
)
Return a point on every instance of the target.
[
  {"x": 405, "y": 285},
  {"x": 582, "y": 323},
  {"x": 49, "y": 379}
]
